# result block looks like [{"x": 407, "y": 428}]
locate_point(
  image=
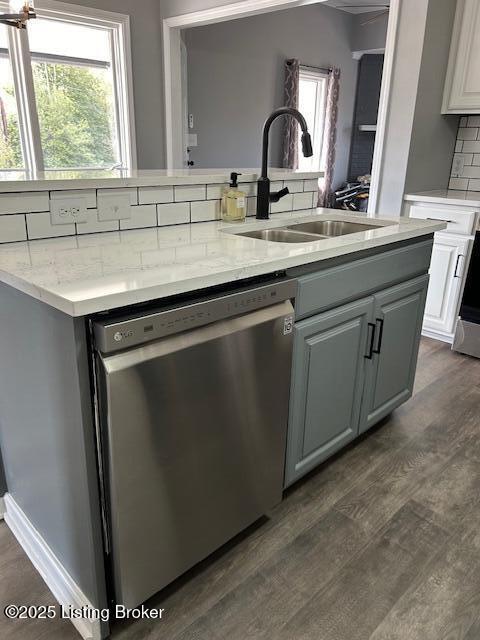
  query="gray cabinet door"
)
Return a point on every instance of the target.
[
  {"x": 391, "y": 371},
  {"x": 327, "y": 383}
]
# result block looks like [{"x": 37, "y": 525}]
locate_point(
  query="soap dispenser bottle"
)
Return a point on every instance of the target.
[{"x": 234, "y": 203}]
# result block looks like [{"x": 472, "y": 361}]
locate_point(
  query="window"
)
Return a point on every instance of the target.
[
  {"x": 312, "y": 101},
  {"x": 65, "y": 92},
  {"x": 10, "y": 146}
]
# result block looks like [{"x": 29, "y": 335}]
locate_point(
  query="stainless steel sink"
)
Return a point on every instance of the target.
[
  {"x": 281, "y": 235},
  {"x": 331, "y": 228}
]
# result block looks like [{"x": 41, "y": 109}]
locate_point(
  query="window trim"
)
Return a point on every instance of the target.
[
  {"x": 307, "y": 73},
  {"x": 119, "y": 26}
]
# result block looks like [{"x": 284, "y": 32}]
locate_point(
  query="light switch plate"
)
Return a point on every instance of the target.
[
  {"x": 113, "y": 206},
  {"x": 68, "y": 210}
]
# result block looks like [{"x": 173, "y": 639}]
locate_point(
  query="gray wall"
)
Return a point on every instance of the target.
[
  {"x": 235, "y": 79},
  {"x": 423, "y": 43},
  {"x": 404, "y": 87},
  {"x": 434, "y": 134},
  {"x": 146, "y": 34},
  {"x": 367, "y": 34},
  {"x": 47, "y": 436}
]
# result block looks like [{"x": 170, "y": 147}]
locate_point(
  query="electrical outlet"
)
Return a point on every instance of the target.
[
  {"x": 458, "y": 164},
  {"x": 69, "y": 209},
  {"x": 113, "y": 206}
]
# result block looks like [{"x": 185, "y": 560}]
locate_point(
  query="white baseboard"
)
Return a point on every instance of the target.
[
  {"x": 57, "y": 579},
  {"x": 443, "y": 337}
]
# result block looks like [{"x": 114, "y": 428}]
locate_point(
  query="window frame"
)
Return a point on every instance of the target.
[
  {"x": 118, "y": 25},
  {"x": 312, "y": 74}
]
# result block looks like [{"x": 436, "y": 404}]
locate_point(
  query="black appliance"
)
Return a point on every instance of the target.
[{"x": 467, "y": 333}]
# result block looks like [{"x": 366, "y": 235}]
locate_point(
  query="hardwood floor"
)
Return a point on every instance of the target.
[{"x": 381, "y": 543}]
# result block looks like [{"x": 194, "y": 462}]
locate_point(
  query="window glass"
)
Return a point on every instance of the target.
[
  {"x": 74, "y": 92},
  {"x": 10, "y": 145},
  {"x": 312, "y": 105}
]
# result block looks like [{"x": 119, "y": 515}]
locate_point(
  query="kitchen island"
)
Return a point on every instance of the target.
[{"x": 354, "y": 293}]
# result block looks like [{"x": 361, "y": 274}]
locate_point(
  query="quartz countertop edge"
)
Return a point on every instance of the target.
[
  {"x": 61, "y": 180},
  {"x": 446, "y": 196},
  {"x": 93, "y": 273}
]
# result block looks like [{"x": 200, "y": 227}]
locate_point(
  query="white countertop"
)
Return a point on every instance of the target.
[
  {"x": 86, "y": 274},
  {"x": 11, "y": 181},
  {"x": 446, "y": 196}
]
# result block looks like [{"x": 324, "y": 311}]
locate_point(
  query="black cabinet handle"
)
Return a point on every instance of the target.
[
  {"x": 371, "y": 326},
  {"x": 455, "y": 275},
  {"x": 379, "y": 321}
]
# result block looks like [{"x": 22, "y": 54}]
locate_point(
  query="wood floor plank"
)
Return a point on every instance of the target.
[
  {"x": 285, "y": 583},
  {"x": 353, "y": 604}
]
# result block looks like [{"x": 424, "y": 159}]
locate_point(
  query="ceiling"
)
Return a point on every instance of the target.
[{"x": 361, "y": 6}]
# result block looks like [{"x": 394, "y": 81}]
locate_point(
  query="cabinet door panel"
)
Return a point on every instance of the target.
[
  {"x": 446, "y": 272},
  {"x": 327, "y": 383},
  {"x": 391, "y": 374},
  {"x": 462, "y": 87}
]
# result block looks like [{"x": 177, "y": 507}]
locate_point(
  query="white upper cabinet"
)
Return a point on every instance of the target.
[{"x": 462, "y": 85}]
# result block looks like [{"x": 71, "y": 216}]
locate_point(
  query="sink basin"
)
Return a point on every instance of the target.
[
  {"x": 281, "y": 235},
  {"x": 332, "y": 228}
]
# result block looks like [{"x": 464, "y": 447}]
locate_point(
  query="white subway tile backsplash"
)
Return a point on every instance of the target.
[
  {"x": 459, "y": 146},
  {"x": 310, "y": 185},
  {"x": 142, "y": 216},
  {"x": 94, "y": 225},
  {"x": 303, "y": 200},
  {"x": 28, "y": 202},
  {"x": 39, "y": 226},
  {"x": 249, "y": 188},
  {"x": 174, "y": 213},
  {"x": 294, "y": 186},
  {"x": 473, "y": 121},
  {"x": 471, "y": 146},
  {"x": 188, "y": 193},
  {"x": 13, "y": 228},
  {"x": 204, "y": 211},
  {"x": 467, "y": 133},
  {"x": 463, "y": 121},
  {"x": 476, "y": 159},
  {"x": 29, "y": 213},
  {"x": 467, "y": 158},
  {"x": 474, "y": 185},
  {"x": 251, "y": 206},
  {"x": 155, "y": 195},
  {"x": 284, "y": 204},
  {"x": 458, "y": 183},
  {"x": 471, "y": 172},
  {"x": 215, "y": 191},
  {"x": 89, "y": 194},
  {"x": 131, "y": 192}
]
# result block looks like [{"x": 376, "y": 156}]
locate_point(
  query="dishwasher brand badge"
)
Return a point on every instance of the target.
[
  {"x": 118, "y": 336},
  {"x": 288, "y": 325}
]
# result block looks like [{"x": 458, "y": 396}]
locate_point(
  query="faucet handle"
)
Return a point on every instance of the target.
[{"x": 277, "y": 195}]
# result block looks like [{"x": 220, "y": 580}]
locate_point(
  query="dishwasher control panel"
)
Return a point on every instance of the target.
[{"x": 122, "y": 333}]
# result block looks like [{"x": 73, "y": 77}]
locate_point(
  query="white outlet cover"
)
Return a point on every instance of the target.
[
  {"x": 68, "y": 210},
  {"x": 113, "y": 206},
  {"x": 458, "y": 164}
]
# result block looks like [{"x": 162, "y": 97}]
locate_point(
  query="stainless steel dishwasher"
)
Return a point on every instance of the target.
[{"x": 192, "y": 407}]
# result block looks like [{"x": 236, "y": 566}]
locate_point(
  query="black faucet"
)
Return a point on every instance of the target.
[{"x": 264, "y": 197}]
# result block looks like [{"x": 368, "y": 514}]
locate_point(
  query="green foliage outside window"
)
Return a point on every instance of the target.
[{"x": 74, "y": 112}]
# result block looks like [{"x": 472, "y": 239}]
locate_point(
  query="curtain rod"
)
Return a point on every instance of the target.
[{"x": 310, "y": 66}]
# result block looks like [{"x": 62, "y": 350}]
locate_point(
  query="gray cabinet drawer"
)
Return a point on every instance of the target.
[{"x": 342, "y": 283}]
